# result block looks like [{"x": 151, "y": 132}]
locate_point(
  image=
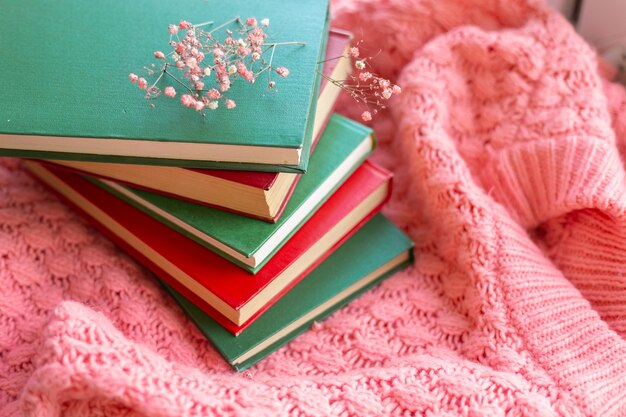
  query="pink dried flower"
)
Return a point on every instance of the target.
[
  {"x": 233, "y": 58},
  {"x": 224, "y": 84},
  {"x": 384, "y": 83},
  {"x": 364, "y": 76},
  {"x": 359, "y": 64},
  {"x": 169, "y": 91},
  {"x": 354, "y": 52},
  {"x": 187, "y": 101},
  {"x": 244, "y": 72},
  {"x": 213, "y": 94},
  {"x": 191, "y": 62},
  {"x": 396, "y": 89},
  {"x": 243, "y": 51},
  {"x": 366, "y": 116},
  {"x": 282, "y": 71},
  {"x": 387, "y": 92}
]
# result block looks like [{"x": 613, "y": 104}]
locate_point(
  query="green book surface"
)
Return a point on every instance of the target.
[
  {"x": 248, "y": 242},
  {"x": 66, "y": 92},
  {"x": 376, "y": 251}
]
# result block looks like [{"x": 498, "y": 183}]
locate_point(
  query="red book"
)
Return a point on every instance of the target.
[
  {"x": 232, "y": 296},
  {"x": 257, "y": 194}
]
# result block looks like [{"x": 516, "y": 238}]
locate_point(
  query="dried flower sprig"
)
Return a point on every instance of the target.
[
  {"x": 202, "y": 59},
  {"x": 364, "y": 86}
]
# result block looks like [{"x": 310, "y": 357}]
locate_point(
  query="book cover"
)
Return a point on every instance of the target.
[
  {"x": 90, "y": 111},
  {"x": 231, "y": 295},
  {"x": 262, "y": 195},
  {"x": 374, "y": 252},
  {"x": 248, "y": 242}
]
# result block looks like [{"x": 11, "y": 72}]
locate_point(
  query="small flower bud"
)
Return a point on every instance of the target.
[
  {"x": 359, "y": 64},
  {"x": 282, "y": 71},
  {"x": 159, "y": 55},
  {"x": 251, "y": 21},
  {"x": 366, "y": 116},
  {"x": 265, "y": 22},
  {"x": 213, "y": 105},
  {"x": 172, "y": 29},
  {"x": 169, "y": 91},
  {"x": 133, "y": 78}
]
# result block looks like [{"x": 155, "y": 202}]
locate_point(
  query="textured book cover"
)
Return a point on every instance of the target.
[
  {"x": 374, "y": 252},
  {"x": 248, "y": 242},
  {"x": 231, "y": 295},
  {"x": 261, "y": 195},
  {"x": 72, "y": 99}
]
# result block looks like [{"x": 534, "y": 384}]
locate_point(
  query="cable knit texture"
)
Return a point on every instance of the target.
[{"x": 506, "y": 144}]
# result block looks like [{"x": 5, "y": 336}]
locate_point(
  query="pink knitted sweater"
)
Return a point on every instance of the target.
[{"x": 506, "y": 144}]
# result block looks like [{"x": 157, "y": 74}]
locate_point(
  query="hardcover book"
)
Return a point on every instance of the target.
[
  {"x": 248, "y": 242},
  {"x": 231, "y": 295},
  {"x": 375, "y": 252},
  {"x": 261, "y": 195},
  {"x": 72, "y": 98}
]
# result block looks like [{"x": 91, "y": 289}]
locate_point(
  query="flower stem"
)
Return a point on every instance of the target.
[
  {"x": 224, "y": 24},
  {"x": 157, "y": 80},
  {"x": 210, "y": 22},
  {"x": 177, "y": 80},
  {"x": 285, "y": 43}
]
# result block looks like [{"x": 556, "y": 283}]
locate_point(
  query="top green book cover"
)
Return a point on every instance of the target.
[{"x": 67, "y": 95}]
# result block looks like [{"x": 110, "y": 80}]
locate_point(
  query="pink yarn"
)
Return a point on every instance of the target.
[{"x": 506, "y": 145}]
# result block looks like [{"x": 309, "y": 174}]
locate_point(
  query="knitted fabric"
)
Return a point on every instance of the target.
[{"x": 506, "y": 146}]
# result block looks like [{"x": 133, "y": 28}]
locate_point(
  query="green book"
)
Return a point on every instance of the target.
[
  {"x": 66, "y": 92},
  {"x": 248, "y": 242},
  {"x": 376, "y": 251}
]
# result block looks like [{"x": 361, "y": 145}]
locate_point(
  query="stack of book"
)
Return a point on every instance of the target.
[{"x": 258, "y": 220}]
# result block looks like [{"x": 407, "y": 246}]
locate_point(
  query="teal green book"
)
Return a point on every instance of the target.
[
  {"x": 375, "y": 252},
  {"x": 248, "y": 242},
  {"x": 66, "y": 92}
]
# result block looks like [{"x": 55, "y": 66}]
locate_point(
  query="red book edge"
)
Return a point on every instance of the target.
[{"x": 310, "y": 233}]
